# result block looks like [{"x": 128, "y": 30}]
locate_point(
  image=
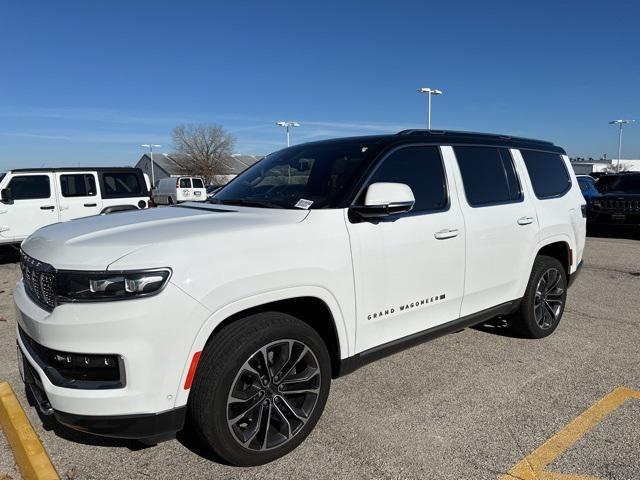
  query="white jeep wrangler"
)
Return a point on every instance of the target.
[{"x": 314, "y": 261}]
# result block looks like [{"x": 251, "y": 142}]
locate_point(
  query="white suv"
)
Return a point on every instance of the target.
[
  {"x": 31, "y": 198},
  {"x": 325, "y": 256}
]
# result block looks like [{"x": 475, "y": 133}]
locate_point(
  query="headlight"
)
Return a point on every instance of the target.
[{"x": 101, "y": 286}]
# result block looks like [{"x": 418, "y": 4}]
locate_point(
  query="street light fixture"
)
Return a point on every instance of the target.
[
  {"x": 621, "y": 123},
  {"x": 429, "y": 92},
  {"x": 288, "y": 126},
  {"x": 150, "y": 146}
]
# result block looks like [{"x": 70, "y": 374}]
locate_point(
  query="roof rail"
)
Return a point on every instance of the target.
[{"x": 453, "y": 133}]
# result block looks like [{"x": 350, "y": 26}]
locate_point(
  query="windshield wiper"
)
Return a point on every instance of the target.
[{"x": 246, "y": 203}]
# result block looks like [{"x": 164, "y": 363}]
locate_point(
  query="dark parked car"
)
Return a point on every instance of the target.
[
  {"x": 588, "y": 187},
  {"x": 618, "y": 203}
]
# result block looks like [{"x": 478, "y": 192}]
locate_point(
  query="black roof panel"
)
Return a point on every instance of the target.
[{"x": 450, "y": 137}]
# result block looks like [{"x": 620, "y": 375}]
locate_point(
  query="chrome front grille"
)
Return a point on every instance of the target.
[
  {"x": 625, "y": 205},
  {"x": 39, "y": 279}
]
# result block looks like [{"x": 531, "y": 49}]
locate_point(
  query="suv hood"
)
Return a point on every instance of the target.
[{"x": 93, "y": 243}]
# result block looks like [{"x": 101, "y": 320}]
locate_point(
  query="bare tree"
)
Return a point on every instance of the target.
[{"x": 201, "y": 149}]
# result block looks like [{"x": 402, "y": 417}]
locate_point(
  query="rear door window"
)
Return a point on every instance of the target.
[
  {"x": 28, "y": 187},
  {"x": 78, "y": 185},
  {"x": 488, "y": 175},
  {"x": 548, "y": 173},
  {"x": 197, "y": 183},
  {"x": 185, "y": 183},
  {"x": 122, "y": 184}
]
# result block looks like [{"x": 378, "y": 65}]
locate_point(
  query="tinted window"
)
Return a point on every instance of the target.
[
  {"x": 547, "y": 172},
  {"x": 78, "y": 185},
  {"x": 421, "y": 169},
  {"x": 122, "y": 184},
  {"x": 626, "y": 183},
  {"x": 323, "y": 173},
  {"x": 185, "y": 183},
  {"x": 197, "y": 183},
  {"x": 488, "y": 175},
  {"x": 30, "y": 186}
]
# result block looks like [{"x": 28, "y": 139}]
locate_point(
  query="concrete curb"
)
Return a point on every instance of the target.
[{"x": 31, "y": 457}]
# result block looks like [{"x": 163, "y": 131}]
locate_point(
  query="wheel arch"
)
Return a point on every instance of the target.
[
  {"x": 557, "y": 246},
  {"x": 561, "y": 251},
  {"x": 118, "y": 208},
  {"x": 313, "y": 305}
]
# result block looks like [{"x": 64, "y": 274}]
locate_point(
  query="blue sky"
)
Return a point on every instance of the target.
[{"x": 87, "y": 82}]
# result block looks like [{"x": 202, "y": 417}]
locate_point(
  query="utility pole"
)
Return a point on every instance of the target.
[
  {"x": 429, "y": 92},
  {"x": 620, "y": 123},
  {"x": 150, "y": 147},
  {"x": 287, "y": 126}
]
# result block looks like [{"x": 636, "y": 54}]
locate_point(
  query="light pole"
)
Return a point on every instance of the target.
[
  {"x": 150, "y": 147},
  {"x": 620, "y": 123},
  {"x": 287, "y": 126},
  {"x": 429, "y": 92}
]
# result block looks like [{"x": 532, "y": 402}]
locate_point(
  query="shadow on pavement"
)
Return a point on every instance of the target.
[
  {"x": 497, "y": 326},
  {"x": 629, "y": 233}
]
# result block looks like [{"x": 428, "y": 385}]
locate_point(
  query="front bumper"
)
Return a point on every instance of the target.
[
  {"x": 151, "y": 426},
  {"x": 601, "y": 217},
  {"x": 152, "y": 336}
]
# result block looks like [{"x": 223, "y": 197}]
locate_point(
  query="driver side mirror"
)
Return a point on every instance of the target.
[
  {"x": 383, "y": 199},
  {"x": 6, "y": 196}
]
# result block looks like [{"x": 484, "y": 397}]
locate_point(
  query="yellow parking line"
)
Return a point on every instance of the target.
[
  {"x": 532, "y": 466},
  {"x": 31, "y": 457}
]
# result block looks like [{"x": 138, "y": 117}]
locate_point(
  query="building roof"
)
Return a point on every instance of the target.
[{"x": 231, "y": 165}]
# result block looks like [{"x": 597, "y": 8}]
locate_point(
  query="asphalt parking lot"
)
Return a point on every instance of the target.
[{"x": 470, "y": 405}]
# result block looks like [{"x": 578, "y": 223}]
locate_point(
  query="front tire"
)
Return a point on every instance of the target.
[
  {"x": 544, "y": 300},
  {"x": 260, "y": 388}
]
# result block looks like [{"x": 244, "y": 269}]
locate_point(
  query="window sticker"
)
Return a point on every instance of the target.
[{"x": 304, "y": 204}]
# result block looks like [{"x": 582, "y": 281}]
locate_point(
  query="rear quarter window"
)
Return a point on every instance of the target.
[
  {"x": 123, "y": 184},
  {"x": 548, "y": 173}
]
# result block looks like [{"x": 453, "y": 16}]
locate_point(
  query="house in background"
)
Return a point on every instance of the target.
[{"x": 164, "y": 166}]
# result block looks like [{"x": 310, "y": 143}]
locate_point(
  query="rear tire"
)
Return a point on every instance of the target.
[
  {"x": 544, "y": 300},
  {"x": 251, "y": 415},
  {"x": 169, "y": 201}
]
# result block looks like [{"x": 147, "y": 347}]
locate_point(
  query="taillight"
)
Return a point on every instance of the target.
[{"x": 178, "y": 183}]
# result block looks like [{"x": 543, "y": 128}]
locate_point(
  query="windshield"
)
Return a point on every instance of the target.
[
  {"x": 620, "y": 183},
  {"x": 308, "y": 176}
]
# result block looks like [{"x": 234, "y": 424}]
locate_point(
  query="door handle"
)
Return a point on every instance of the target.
[
  {"x": 446, "y": 233},
  {"x": 90, "y": 204},
  {"x": 525, "y": 220},
  {"x": 47, "y": 207}
]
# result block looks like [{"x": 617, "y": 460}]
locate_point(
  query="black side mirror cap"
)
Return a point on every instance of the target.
[
  {"x": 6, "y": 196},
  {"x": 372, "y": 212}
]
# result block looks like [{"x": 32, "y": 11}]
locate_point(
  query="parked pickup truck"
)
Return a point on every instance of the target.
[{"x": 327, "y": 255}]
